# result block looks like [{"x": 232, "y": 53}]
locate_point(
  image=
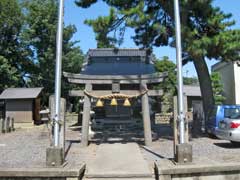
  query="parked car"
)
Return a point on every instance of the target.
[
  {"x": 219, "y": 113},
  {"x": 229, "y": 127}
]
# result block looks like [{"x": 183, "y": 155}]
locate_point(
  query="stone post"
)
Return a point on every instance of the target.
[
  {"x": 1, "y": 125},
  {"x": 7, "y": 124},
  {"x": 182, "y": 152},
  {"x": 86, "y": 117},
  {"x": 62, "y": 119},
  {"x": 175, "y": 125},
  {"x": 146, "y": 117},
  {"x": 12, "y": 124},
  {"x": 186, "y": 133},
  {"x": 55, "y": 156},
  {"x": 4, "y": 125}
]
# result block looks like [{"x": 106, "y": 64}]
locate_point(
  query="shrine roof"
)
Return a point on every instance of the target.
[
  {"x": 113, "y": 52},
  {"x": 109, "y": 61}
]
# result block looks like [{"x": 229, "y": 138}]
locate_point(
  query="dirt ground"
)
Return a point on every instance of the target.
[{"x": 26, "y": 147}]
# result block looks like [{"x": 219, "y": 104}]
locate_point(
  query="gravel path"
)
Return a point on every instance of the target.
[
  {"x": 27, "y": 148},
  {"x": 24, "y": 148},
  {"x": 205, "y": 150}
]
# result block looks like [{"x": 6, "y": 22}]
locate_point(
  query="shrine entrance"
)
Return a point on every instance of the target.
[{"x": 117, "y": 98}]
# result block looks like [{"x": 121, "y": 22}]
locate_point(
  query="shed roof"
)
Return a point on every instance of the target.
[
  {"x": 189, "y": 90},
  {"x": 20, "y": 93}
]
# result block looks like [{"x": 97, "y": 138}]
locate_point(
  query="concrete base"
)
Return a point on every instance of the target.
[
  {"x": 54, "y": 157},
  {"x": 183, "y": 153},
  {"x": 167, "y": 170},
  {"x": 40, "y": 173}
]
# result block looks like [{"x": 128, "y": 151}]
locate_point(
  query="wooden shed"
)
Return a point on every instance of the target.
[{"x": 22, "y": 104}]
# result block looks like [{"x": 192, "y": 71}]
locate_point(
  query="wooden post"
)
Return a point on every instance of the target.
[
  {"x": 86, "y": 117},
  {"x": 62, "y": 118},
  {"x": 146, "y": 117}
]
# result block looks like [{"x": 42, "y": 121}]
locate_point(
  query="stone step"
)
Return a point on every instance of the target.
[{"x": 141, "y": 178}]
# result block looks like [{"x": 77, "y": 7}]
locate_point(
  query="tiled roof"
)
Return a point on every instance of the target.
[
  {"x": 111, "y": 52},
  {"x": 20, "y": 93},
  {"x": 110, "y": 61},
  {"x": 118, "y": 68}
]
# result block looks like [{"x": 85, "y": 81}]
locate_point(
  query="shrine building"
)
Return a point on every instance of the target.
[{"x": 116, "y": 84}]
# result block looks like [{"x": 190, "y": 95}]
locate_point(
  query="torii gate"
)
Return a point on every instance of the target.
[
  {"x": 116, "y": 81},
  {"x": 181, "y": 115}
]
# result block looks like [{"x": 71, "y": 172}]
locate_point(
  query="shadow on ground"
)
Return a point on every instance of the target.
[
  {"x": 227, "y": 145},
  {"x": 160, "y": 132}
]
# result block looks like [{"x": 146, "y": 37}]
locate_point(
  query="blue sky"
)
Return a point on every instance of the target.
[{"x": 75, "y": 15}]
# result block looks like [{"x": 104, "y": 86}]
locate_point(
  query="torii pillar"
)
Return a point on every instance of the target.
[
  {"x": 86, "y": 117},
  {"x": 146, "y": 116}
]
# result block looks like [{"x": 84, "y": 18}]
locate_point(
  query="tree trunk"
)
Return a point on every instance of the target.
[{"x": 205, "y": 85}]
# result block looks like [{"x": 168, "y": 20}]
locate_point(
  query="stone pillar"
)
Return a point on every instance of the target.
[
  {"x": 6, "y": 124},
  {"x": 12, "y": 125},
  {"x": 175, "y": 125},
  {"x": 146, "y": 117},
  {"x": 182, "y": 152},
  {"x": 186, "y": 133},
  {"x": 1, "y": 125},
  {"x": 86, "y": 117},
  {"x": 62, "y": 119},
  {"x": 55, "y": 156}
]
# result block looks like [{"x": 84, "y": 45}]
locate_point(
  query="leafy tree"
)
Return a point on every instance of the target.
[
  {"x": 14, "y": 61},
  {"x": 9, "y": 74},
  {"x": 206, "y": 32},
  {"x": 217, "y": 88},
  {"x": 40, "y": 34},
  {"x": 169, "y": 84},
  {"x": 166, "y": 65},
  {"x": 190, "y": 81}
]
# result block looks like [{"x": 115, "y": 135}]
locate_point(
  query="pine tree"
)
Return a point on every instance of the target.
[{"x": 206, "y": 33}]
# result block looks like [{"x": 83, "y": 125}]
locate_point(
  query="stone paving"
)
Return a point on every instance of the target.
[
  {"x": 27, "y": 148},
  {"x": 118, "y": 160}
]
